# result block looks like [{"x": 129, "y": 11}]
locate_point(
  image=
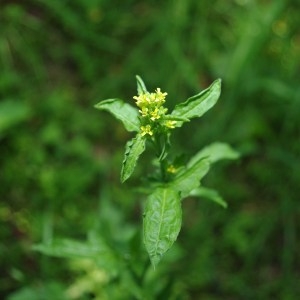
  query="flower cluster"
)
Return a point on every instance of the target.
[{"x": 152, "y": 110}]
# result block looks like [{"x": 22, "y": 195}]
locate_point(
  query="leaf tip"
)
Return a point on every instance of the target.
[
  {"x": 123, "y": 176},
  {"x": 218, "y": 84},
  {"x": 97, "y": 106},
  {"x": 123, "y": 180},
  {"x": 155, "y": 259}
]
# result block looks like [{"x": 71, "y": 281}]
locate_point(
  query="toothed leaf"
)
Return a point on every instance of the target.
[
  {"x": 134, "y": 148},
  {"x": 189, "y": 178},
  {"x": 215, "y": 152},
  {"x": 199, "y": 104},
  {"x": 124, "y": 112},
  {"x": 208, "y": 194},
  {"x": 162, "y": 222}
]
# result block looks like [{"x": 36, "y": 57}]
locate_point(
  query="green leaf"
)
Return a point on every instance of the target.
[
  {"x": 122, "y": 111},
  {"x": 189, "y": 178},
  {"x": 71, "y": 248},
  {"x": 215, "y": 152},
  {"x": 141, "y": 87},
  {"x": 208, "y": 194},
  {"x": 95, "y": 249},
  {"x": 199, "y": 104},
  {"x": 134, "y": 148},
  {"x": 162, "y": 222}
]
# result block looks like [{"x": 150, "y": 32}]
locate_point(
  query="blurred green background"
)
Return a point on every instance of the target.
[{"x": 60, "y": 158}]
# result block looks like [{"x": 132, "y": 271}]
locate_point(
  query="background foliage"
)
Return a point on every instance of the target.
[{"x": 60, "y": 158}]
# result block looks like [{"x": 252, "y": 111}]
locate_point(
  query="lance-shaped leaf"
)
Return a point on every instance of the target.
[
  {"x": 189, "y": 178},
  {"x": 209, "y": 194},
  {"x": 72, "y": 248},
  {"x": 134, "y": 148},
  {"x": 126, "y": 113},
  {"x": 98, "y": 250},
  {"x": 215, "y": 152},
  {"x": 162, "y": 222},
  {"x": 141, "y": 87},
  {"x": 199, "y": 104}
]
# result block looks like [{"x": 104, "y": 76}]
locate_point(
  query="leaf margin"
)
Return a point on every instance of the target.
[
  {"x": 161, "y": 244},
  {"x": 122, "y": 111},
  {"x": 133, "y": 149}
]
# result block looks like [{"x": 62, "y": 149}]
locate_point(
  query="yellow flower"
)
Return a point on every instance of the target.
[
  {"x": 170, "y": 124},
  {"x": 155, "y": 114},
  {"x": 146, "y": 130},
  {"x": 144, "y": 111},
  {"x": 160, "y": 97},
  {"x": 171, "y": 169},
  {"x": 141, "y": 100},
  {"x": 153, "y": 100}
]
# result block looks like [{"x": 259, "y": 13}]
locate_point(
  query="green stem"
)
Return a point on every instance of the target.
[
  {"x": 162, "y": 170},
  {"x": 162, "y": 155},
  {"x": 160, "y": 145}
]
